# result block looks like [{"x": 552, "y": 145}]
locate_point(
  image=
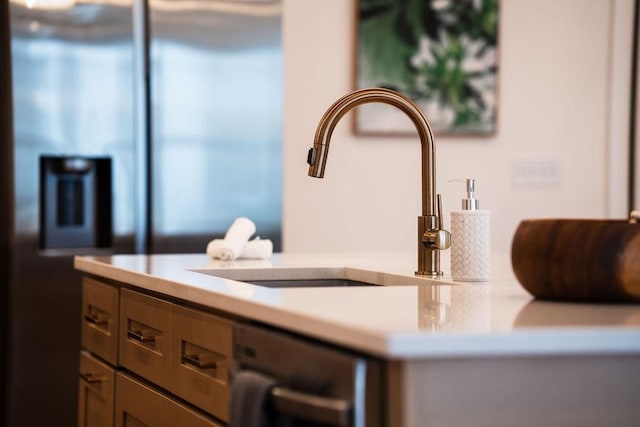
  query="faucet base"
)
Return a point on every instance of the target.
[
  {"x": 431, "y": 240},
  {"x": 434, "y": 274}
]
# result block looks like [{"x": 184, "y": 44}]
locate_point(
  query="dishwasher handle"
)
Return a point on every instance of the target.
[{"x": 324, "y": 410}]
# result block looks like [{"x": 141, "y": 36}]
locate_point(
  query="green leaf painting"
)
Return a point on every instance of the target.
[{"x": 440, "y": 53}]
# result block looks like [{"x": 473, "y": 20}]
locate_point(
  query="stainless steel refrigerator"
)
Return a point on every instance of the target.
[
  {"x": 634, "y": 147},
  {"x": 137, "y": 127}
]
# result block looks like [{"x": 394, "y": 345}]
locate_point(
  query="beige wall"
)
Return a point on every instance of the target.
[{"x": 554, "y": 104}]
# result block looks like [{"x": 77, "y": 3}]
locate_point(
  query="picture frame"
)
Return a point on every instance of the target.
[{"x": 442, "y": 54}]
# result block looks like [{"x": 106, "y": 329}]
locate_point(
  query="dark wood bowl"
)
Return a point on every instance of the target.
[{"x": 578, "y": 259}]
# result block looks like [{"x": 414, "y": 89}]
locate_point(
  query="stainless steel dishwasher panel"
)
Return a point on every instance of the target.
[{"x": 316, "y": 385}]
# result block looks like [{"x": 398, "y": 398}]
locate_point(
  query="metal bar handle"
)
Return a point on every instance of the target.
[
  {"x": 323, "y": 410},
  {"x": 439, "y": 210},
  {"x": 141, "y": 335},
  {"x": 97, "y": 319},
  {"x": 199, "y": 362},
  {"x": 91, "y": 377}
]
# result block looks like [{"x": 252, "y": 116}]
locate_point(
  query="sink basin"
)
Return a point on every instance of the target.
[
  {"x": 312, "y": 277},
  {"x": 309, "y": 283}
]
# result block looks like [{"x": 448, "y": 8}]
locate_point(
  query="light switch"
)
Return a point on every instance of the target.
[{"x": 533, "y": 174}]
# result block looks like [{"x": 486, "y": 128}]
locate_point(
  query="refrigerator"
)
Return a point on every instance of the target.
[
  {"x": 634, "y": 147},
  {"x": 129, "y": 126}
]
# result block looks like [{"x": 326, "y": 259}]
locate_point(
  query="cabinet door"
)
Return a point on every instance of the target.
[
  {"x": 138, "y": 405},
  {"x": 202, "y": 350},
  {"x": 145, "y": 335},
  {"x": 96, "y": 393},
  {"x": 100, "y": 319}
]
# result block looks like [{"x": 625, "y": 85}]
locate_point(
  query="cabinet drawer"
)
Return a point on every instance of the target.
[
  {"x": 145, "y": 336},
  {"x": 202, "y": 350},
  {"x": 138, "y": 405},
  {"x": 96, "y": 393},
  {"x": 100, "y": 319}
]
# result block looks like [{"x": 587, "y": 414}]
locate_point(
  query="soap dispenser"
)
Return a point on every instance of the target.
[{"x": 470, "y": 239}]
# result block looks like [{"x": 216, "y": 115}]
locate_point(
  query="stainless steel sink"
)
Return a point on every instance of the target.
[
  {"x": 303, "y": 277},
  {"x": 309, "y": 283}
]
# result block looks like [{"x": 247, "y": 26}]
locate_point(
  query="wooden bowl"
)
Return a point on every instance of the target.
[{"x": 578, "y": 259}]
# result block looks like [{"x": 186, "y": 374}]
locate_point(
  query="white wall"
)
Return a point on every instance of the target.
[
  {"x": 620, "y": 77},
  {"x": 553, "y": 105}
]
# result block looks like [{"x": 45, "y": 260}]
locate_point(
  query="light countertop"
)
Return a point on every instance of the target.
[{"x": 408, "y": 318}]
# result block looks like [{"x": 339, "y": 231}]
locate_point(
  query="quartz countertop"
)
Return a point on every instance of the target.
[{"x": 410, "y": 318}]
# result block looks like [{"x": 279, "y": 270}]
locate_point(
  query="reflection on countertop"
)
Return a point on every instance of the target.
[
  {"x": 541, "y": 314},
  {"x": 461, "y": 308}
]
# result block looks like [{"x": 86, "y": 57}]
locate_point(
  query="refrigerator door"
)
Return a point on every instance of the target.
[
  {"x": 6, "y": 199},
  {"x": 72, "y": 95},
  {"x": 216, "y": 119},
  {"x": 635, "y": 145}
]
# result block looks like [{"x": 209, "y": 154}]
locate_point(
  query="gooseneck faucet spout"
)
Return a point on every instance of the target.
[{"x": 431, "y": 237}]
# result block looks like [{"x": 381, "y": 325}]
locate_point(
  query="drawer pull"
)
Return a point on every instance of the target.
[
  {"x": 91, "y": 377},
  {"x": 201, "y": 362},
  {"x": 97, "y": 319},
  {"x": 141, "y": 335}
]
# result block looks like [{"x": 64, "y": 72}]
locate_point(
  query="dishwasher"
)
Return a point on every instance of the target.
[{"x": 309, "y": 383}]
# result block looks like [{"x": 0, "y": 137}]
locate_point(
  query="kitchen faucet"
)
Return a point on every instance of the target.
[{"x": 431, "y": 237}]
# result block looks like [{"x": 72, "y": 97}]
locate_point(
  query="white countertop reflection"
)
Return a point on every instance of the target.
[{"x": 420, "y": 319}]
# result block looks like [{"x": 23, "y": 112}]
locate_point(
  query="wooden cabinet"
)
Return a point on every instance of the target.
[
  {"x": 172, "y": 350},
  {"x": 100, "y": 319},
  {"x": 96, "y": 392},
  {"x": 138, "y": 404},
  {"x": 202, "y": 350},
  {"x": 145, "y": 336}
]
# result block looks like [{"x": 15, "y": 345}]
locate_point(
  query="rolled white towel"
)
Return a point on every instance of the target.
[
  {"x": 236, "y": 237},
  {"x": 253, "y": 249},
  {"x": 257, "y": 249}
]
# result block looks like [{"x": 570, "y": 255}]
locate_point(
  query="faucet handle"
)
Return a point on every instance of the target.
[
  {"x": 437, "y": 239},
  {"x": 439, "y": 208}
]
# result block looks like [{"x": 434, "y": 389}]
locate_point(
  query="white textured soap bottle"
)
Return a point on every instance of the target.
[{"x": 470, "y": 239}]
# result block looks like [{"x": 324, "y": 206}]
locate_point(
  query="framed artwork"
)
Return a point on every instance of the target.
[{"x": 440, "y": 53}]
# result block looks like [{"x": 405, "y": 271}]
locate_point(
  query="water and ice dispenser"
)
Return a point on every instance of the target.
[{"x": 75, "y": 202}]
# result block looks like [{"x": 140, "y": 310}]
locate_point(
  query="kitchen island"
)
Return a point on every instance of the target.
[{"x": 454, "y": 353}]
